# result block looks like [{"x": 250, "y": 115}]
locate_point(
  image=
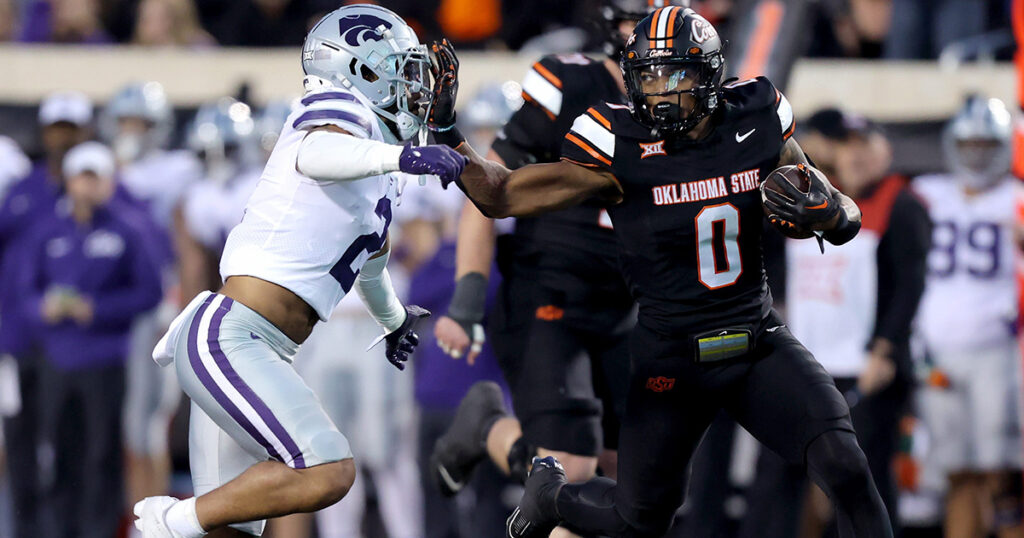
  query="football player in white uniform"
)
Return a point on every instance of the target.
[
  {"x": 966, "y": 320},
  {"x": 137, "y": 123},
  {"x": 316, "y": 226}
]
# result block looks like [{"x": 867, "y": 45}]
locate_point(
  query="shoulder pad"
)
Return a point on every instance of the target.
[
  {"x": 334, "y": 106},
  {"x": 755, "y": 94}
]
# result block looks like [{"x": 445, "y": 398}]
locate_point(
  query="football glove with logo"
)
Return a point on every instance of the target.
[{"x": 813, "y": 210}]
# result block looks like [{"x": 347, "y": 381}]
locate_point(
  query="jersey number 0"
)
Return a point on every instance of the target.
[{"x": 718, "y": 248}]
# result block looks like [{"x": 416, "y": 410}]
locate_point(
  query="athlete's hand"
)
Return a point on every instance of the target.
[
  {"x": 403, "y": 341},
  {"x": 453, "y": 337},
  {"x": 814, "y": 210},
  {"x": 441, "y": 161},
  {"x": 878, "y": 373},
  {"x": 444, "y": 67}
]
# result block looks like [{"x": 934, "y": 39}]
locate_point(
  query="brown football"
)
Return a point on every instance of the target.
[{"x": 793, "y": 174}]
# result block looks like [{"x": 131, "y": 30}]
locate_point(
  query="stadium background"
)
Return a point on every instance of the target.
[{"x": 822, "y": 52}]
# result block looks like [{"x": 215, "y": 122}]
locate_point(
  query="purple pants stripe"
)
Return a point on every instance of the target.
[
  {"x": 211, "y": 385},
  {"x": 246, "y": 391}
]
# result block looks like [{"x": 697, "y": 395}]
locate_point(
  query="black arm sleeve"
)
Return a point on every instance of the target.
[{"x": 902, "y": 268}]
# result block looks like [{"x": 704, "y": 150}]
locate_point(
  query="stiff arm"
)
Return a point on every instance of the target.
[{"x": 533, "y": 189}]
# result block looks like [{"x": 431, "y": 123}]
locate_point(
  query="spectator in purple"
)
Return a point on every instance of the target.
[
  {"x": 64, "y": 118},
  {"x": 86, "y": 273},
  {"x": 63, "y": 21}
]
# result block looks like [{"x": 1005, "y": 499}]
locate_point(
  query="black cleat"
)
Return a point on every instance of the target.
[
  {"x": 536, "y": 517},
  {"x": 464, "y": 445}
]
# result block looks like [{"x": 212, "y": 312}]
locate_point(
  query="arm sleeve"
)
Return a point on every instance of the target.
[
  {"x": 30, "y": 281},
  {"x": 141, "y": 292},
  {"x": 378, "y": 294},
  {"x": 903, "y": 254}
]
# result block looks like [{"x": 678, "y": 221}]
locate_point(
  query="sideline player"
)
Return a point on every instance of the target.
[
  {"x": 974, "y": 421},
  {"x": 561, "y": 322},
  {"x": 684, "y": 163},
  {"x": 315, "y": 228}
]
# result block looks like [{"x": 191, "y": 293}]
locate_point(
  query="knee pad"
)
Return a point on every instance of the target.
[{"x": 519, "y": 458}]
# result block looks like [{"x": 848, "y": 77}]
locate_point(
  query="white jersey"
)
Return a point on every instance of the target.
[
  {"x": 312, "y": 236},
  {"x": 160, "y": 179},
  {"x": 211, "y": 208},
  {"x": 970, "y": 300}
]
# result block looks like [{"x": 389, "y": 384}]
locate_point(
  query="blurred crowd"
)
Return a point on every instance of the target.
[{"x": 892, "y": 29}]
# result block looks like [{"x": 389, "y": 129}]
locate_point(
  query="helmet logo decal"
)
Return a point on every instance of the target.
[
  {"x": 358, "y": 29},
  {"x": 701, "y": 30}
]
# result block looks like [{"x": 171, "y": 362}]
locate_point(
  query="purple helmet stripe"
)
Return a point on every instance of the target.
[
  {"x": 342, "y": 115},
  {"x": 204, "y": 376},
  {"x": 326, "y": 96},
  {"x": 246, "y": 391}
]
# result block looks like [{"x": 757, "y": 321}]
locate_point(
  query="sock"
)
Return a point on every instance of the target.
[{"x": 182, "y": 519}]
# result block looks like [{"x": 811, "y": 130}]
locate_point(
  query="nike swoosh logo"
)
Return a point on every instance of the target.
[
  {"x": 253, "y": 336},
  {"x": 822, "y": 205},
  {"x": 453, "y": 485},
  {"x": 775, "y": 328},
  {"x": 741, "y": 138}
]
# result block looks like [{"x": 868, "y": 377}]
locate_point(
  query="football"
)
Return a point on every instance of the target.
[{"x": 796, "y": 177}]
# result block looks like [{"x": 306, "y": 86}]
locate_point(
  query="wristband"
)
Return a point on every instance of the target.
[
  {"x": 469, "y": 298},
  {"x": 449, "y": 136}
]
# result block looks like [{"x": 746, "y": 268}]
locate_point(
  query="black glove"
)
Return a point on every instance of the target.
[
  {"x": 402, "y": 341},
  {"x": 444, "y": 66},
  {"x": 806, "y": 211}
]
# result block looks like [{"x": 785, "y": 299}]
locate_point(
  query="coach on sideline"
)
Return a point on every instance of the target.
[{"x": 87, "y": 273}]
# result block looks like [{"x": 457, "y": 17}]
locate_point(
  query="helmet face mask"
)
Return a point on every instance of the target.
[
  {"x": 673, "y": 68},
  {"x": 371, "y": 50}
]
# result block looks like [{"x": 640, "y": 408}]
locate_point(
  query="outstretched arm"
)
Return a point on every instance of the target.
[
  {"x": 846, "y": 223},
  {"x": 534, "y": 189}
]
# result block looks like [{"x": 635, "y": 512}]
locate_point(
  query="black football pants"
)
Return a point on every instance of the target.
[{"x": 778, "y": 392}]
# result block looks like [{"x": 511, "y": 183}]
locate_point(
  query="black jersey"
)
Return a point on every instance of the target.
[
  {"x": 690, "y": 222},
  {"x": 572, "y": 250}
]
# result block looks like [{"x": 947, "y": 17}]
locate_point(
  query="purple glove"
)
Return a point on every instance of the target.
[{"x": 441, "y": 161}]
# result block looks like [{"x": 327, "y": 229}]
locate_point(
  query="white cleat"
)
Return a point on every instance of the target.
[{"x": 151, "y": 512}]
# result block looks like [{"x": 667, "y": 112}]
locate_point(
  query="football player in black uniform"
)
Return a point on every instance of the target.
[
  {"x": 561, "y": 324},
  {"x": 684, "y": 163}
]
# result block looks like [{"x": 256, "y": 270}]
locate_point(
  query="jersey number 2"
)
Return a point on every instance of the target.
[{"x": 718, "y": 247}]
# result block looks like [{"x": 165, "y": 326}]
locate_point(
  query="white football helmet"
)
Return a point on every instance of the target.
[
  {"x": 372, "y": 51},
  {"x": 977, "y": 142}
]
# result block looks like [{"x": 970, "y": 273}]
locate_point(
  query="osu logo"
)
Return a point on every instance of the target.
[
  {"x": 550, "y": 313},
  {"x": 660, "y": 383},
  {"x": 652, "y": 149}
]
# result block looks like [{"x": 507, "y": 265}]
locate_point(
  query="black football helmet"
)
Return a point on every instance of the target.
[
  {"x": 614, "y": 12},
  {"x": 676, "y": 55}
]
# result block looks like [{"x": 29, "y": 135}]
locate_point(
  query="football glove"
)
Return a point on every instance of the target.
[
  {"x": 444, "y": 67},
  {"x": 401, "y": 342},
  {"x": 812, "y": 211}
]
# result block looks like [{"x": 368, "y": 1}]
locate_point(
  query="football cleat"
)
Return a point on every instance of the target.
[
  {"x": 535, "y": 517},
  {"x": 464, "y": 445},
  {"x": 151, "y": 513}
]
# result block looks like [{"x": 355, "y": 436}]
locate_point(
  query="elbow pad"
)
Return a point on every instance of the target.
[
  {"x": 378, "y": 294},
  {"x": 330, "y": 156}
]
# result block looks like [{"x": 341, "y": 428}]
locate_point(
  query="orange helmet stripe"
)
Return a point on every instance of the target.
[{"x": 654, "y": 27}]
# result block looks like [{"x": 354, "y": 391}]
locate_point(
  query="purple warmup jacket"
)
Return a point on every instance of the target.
[
  {"x": 24, "y": 204},
  {"x": 109, "y": 261},
  {"x": 442, "y": 381}
]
